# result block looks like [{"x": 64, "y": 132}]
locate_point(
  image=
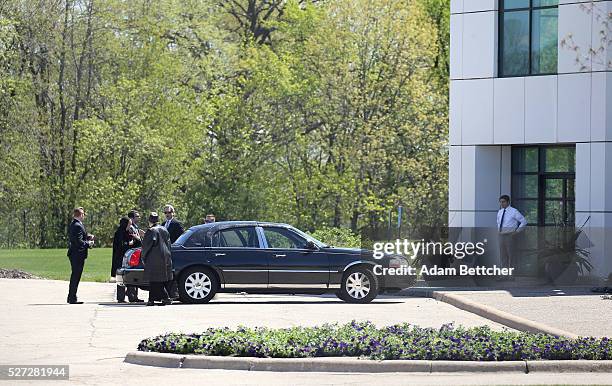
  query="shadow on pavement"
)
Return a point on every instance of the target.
[{"x": 213, "y": 302}]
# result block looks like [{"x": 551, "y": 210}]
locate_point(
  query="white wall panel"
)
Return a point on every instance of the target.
[
  {"x": 574, "y": 109},
  {"x": 509, "y": 111}
]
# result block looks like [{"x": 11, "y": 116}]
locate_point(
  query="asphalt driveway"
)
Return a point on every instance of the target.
[{"x": 37, "y": 327}]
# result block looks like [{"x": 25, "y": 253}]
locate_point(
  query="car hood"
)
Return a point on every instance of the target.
[{"x": 349, "y": 251}]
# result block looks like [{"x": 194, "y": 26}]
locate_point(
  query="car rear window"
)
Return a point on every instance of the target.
[{"x": 182, "y": 238}]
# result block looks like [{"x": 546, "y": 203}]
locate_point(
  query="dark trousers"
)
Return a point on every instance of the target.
[
  {"x": 505, "y": 249},
  {"x": 77, "y": 264},
  {"x": 157, "y": 291},
  {"x": 172, "y": 289},
  {"x": 129, "y": 290}
]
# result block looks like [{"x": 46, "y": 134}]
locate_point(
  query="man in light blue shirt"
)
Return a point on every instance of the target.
[{"x": 509, "y": 222}]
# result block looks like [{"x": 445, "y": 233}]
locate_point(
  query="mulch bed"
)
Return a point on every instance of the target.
[{"x": 16, "y": 274}]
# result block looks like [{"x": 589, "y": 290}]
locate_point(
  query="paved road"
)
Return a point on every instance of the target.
[
  {"x": 37, "y": 327},
  {"x": 573, "y": 309}
]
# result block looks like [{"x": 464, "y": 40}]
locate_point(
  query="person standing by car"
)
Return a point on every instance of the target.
[
  {"x": 123, "y": 240},
  {"x": 135, "y": 230},
  {"x": 209, "y": 219},
  {"x": 79, "y": 243},
  {"x": 174, "y": 227},
  {"x": 157, "y": 261}
]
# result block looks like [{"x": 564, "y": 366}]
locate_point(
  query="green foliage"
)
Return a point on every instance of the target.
[
  {"x": 337, "y": 237},
  {"x": 53, "y": 263},
  {"x": 314, "y": 113},
  {"x": 400, "y": 341}
]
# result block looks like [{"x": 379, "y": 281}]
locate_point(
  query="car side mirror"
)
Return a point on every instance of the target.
[{"x": 311, "y": 245}]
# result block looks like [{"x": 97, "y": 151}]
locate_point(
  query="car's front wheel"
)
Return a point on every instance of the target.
[
  {"x": 197, "y": 285},
  {"x": 359, "y": 285}
]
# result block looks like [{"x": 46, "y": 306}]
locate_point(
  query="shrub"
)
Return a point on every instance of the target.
[
  {"x": 337, "y": 237},
  {"x": 363, "y": 339}
]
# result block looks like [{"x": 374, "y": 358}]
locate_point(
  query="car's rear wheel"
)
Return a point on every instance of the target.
[
  {"x": 359, "y": 285},
  {"x": 198, "y": 285}
]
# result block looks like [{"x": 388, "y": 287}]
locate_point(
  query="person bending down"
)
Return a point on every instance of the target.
[{"x": 157, "y": 261}]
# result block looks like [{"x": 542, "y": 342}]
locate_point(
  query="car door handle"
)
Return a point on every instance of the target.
[
  {"x": 219, "y": 254},
  {"x": 275, "y": 255}
]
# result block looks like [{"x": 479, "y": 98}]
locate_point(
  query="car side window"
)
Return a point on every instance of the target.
[
  {"x": 282, "y": 238},
  {"x": 197, "y": 239},
  {"x": 245, "y": 237}
]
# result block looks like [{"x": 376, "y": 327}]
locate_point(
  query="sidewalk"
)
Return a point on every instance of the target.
[{"x": 573, "y": 309}]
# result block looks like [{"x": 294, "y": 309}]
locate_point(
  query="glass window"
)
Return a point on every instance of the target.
[
  {"x": 283, "y": 238},
  {"x": 525, "y": 159},
  {"x": 184, "y": 237},
  {"x": 554, "y": 187},
  {"x": 526, "y": 186},
  {"x": 516, "y": 43},
  {"x": 529, "y": 209},
  {"x": 197, "y": 239},
  {"x": 560, "y": 159},
  {"x": 544, "y": 41},
  {"x": 528, "y": 37},
  {"x": 553, "y": 212},
  {"x": 545, "y": 3},
  {"x": 512, "y": 4},
  {"x": 236, "y": 238},
  {"x": 544, "y": 183}
]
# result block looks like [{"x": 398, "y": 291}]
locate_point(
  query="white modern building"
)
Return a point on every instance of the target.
[{"x": 531, "y": 115}]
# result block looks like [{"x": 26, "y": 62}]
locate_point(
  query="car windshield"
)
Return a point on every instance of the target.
[{"x": 310, "y": 238}]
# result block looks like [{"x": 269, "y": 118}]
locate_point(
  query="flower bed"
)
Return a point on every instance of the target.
[{"x": 363, "y": 339}]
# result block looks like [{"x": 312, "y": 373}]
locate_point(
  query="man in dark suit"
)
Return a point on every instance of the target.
[
  {"x": 174, "y": 227},
  {"x": 80, "y": 242}
]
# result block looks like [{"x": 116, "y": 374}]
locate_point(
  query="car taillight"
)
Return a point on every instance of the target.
[{"x": 135, "y": 258}]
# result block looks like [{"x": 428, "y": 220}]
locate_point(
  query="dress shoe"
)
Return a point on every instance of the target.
[
  {"x": 74, "y": 302},
  {"x": 150, "y": 303},
  {"x": 120, "y": 301},
  {"x": 137, "y": 301},
  {"x": 166, "y": 302}
]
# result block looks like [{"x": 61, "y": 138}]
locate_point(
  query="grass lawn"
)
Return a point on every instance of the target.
[{"x": 54, "y": 264}]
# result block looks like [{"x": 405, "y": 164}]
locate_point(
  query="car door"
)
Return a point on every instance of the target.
[
  {"x": 237, "y": 253},
  {"x": 292, "y": 264}
]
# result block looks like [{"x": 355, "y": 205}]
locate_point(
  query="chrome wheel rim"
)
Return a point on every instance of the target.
[
  {"x": 198, "y": 285},
  {"x": 358, "y": 285}
]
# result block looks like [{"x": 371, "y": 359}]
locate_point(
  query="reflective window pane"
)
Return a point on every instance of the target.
[
  {"x": 545, "y": 3},
  {"x": 525, "y": 186},
  {"x": 525, "y": 159},
  {"x": 512, "y": 4},
  {"x": 553, "y": 188},
  {"x": 544, "y": 41},
  {"x": 560, "y": 159},
  {"x": 571, "y": 213},
  {"x": 571, "y": 188},
  {"x": 529, "y": 209},
  {"x": 553, "y": 212},
  {"x": 516, "y": 43}
]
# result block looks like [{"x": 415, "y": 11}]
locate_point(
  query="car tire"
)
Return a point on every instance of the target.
[
  {"x": 359, "y": 285},
  {"x": 197, "y": 285}
]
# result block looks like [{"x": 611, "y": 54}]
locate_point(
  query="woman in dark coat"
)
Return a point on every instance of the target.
[
  {"x": 123, "y": 241},
  {"x": 157, "y": 261}
]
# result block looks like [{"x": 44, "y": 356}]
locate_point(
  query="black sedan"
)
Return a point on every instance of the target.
[{"x": 257, "y": 257}]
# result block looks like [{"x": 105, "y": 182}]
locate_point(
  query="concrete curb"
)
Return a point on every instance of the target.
[
  {"x": 501, "y": 317},
  {"x": 354, "y": 365}
]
